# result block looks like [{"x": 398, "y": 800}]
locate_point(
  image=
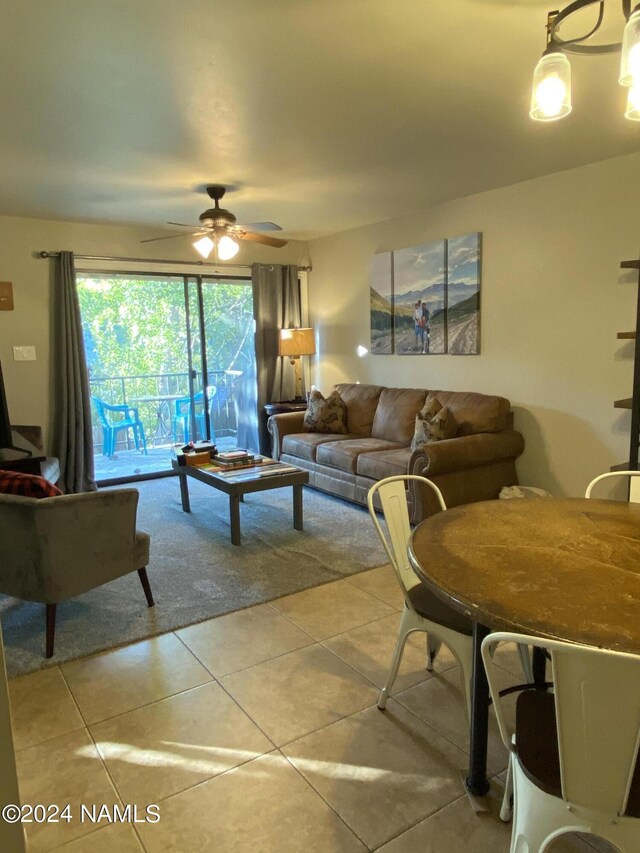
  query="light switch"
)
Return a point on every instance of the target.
[{"x": 24, "y": 353}]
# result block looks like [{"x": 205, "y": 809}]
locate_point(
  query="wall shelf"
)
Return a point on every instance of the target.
[{"x": 633, "y": 402}]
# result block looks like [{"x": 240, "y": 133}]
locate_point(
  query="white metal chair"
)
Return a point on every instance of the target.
[
  {"x": 573, "y": 753},
  {"x": 634, "y": 483},
  {"x": 423, "y": 610}
]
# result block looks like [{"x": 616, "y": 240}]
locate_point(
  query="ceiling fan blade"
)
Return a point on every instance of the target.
[
  {"x": 263, "y": 226},
  {"x": 171, "y": 237},
  {"x": 262, "y": 238},
  {"x": 182, "y": 225}
]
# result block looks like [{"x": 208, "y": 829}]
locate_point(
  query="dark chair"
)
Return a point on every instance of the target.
[
  {"x": 112, "y": 426},
  {"x": 181, "y": 422}
]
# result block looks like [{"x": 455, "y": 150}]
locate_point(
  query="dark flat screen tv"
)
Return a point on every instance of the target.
[
  {"x": 5, "y": 424},
  {"x": 8, "y": 449}
]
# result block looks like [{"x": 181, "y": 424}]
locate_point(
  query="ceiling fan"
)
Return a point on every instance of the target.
[{"x": 219, "y": 229}]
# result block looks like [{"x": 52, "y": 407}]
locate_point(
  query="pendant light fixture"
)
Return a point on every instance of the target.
[{"x": 551, "y": 93}]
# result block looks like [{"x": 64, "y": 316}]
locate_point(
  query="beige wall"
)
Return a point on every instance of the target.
[
  {"x": 553, "y": 298},
  {"x": 28, "y": 383}
]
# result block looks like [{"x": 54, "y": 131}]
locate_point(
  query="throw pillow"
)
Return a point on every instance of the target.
[
  {"x": 326, "y": 415},
  {"x": 434, "y": 422},
  {"x": 26, "y": 485}
]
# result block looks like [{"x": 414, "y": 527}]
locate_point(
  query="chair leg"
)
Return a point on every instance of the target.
[
  {"x": 143, "y": 437},
  {"x": 408, "y": 623},
  {"x": 506, "y": 809},
  {"x": 50, "y": 617},
  {"x": 433, "y": 647},
  {"x": 146, "y": 586}
]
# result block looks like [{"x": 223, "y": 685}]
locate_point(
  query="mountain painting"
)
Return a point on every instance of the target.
[
  {"x": 420, "y": 299},
  {"x": 381, "y": 301},
  {"x": 463, "y": 294}
]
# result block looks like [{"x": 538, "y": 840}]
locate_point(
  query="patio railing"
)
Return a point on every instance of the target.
[{"x": 155, "y": 394}]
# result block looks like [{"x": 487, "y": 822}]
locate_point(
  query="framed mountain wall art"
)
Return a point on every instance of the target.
[
  {"x": 420, "y": 299},
  {"x": 381, "y": 304},
  {"x": 463, "y": 293}
]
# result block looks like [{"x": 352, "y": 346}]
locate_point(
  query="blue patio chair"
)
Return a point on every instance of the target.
[
  {"x": 111, "y": 426},
  {"x": 181, "y": 422}
]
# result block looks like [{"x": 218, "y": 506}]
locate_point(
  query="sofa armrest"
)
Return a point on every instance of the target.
[
  {"x": 463, "y": 452},
  {"x": 278, "y": 426}
]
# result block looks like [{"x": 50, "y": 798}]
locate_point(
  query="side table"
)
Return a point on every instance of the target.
[{"x": 279, "y": 408}]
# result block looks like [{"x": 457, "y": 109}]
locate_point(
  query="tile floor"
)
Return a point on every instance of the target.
[{"x": 258, "y": 731}]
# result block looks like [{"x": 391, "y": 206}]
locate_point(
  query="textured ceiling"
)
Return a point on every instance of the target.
[{"x": 322, "y": 114}]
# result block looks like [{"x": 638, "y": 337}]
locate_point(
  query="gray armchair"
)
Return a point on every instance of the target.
[{"x": 52, "y": 549}]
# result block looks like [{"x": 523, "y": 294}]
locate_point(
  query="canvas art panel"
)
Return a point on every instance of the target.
[
  {"x": 381, "y": 303},
  {"x": 420, "y": 299},
  {"x": 463, "y": 294}
]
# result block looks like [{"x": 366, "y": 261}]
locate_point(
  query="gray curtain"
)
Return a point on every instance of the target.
[
  {"x": 276, "y": 305},
  {"x": 73, "y": 438}
]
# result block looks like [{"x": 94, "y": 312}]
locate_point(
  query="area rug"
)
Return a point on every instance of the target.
[{"x": 196, "y": 573}]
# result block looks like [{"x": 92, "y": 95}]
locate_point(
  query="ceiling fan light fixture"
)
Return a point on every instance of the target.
[
  {"x": 630, "y": 60},
  {"x": 551, "y": 92},
  {"x": 227, "y": 248},
  {"x": 204, "y": 246}
]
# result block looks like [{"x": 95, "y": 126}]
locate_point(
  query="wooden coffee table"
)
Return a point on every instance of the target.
[{"x": 240, "y": 482}]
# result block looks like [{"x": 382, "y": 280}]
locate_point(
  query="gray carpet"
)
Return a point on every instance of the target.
[{"x": 196, "y": 573}]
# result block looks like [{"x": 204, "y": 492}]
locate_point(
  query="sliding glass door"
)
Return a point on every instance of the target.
[{"x": 171, "y": 360}]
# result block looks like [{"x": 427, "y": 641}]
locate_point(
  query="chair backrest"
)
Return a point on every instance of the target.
[
  {"x": 634, "y": 483},
  {"x": 597, "y": 703},
  {"x": 65, "y": 544},
  {"x": 392, "y": 496},
  {"x": 183, "y": 404}
]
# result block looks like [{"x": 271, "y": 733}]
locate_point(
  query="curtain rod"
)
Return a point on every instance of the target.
[{"x": 156, "y": 261}]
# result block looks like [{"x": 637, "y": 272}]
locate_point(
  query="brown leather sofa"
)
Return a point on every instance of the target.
[{"x": 472, "y": 466}]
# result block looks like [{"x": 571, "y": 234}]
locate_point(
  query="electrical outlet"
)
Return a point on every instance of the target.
[{"x": 24, "y": 353}]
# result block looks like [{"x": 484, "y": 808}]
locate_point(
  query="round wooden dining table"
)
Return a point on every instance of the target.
[{"x": 567, "y": 569}]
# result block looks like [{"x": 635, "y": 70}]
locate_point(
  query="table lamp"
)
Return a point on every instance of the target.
[{"x": 295, "y": 343}]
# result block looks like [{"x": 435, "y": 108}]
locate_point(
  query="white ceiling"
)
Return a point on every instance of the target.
[{"x": 323, "y": 114}]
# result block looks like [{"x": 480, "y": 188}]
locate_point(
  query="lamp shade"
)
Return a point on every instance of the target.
[
  {"x": 551, "y": 94},
  {"x": 296, "y": 342}
]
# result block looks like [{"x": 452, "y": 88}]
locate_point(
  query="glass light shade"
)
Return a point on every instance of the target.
[
  {"x": 204, "y": 246},
  {"x": 227, "y": 248},
  {"x": 633, "y": 103},
  {"x": 361, "y": 351},
  {"x": 551, "y": 93},
  {"x": 630, "y": 61}
]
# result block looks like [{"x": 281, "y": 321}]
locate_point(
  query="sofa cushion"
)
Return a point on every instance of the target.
[
  {"x": 473, "y": 412},
  {"x": 305, "y": 444},
  {"x": 325, "y": 415},
  {"x": 396, "y": 414},
  {"x": 384, "y": 463},
  {"x": 344, "y": 454},
  {"x": 434, "y": 422},
  {"x": 26, "y": 485},
  {"x": 362, "y": 401}
]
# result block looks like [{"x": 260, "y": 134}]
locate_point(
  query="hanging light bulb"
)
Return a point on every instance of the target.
[
  {"x": 551, "y": 93},
  {"x": 633, "y": 103},
  {"x": 204, "y": 246},
  {"x": 227, "y": 248},
  {"x": 630, "y": 62}
]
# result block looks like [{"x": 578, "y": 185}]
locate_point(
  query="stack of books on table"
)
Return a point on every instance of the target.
[
  {"x": 268, "y": 468},
  {"x": 235, "y": 459}
]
